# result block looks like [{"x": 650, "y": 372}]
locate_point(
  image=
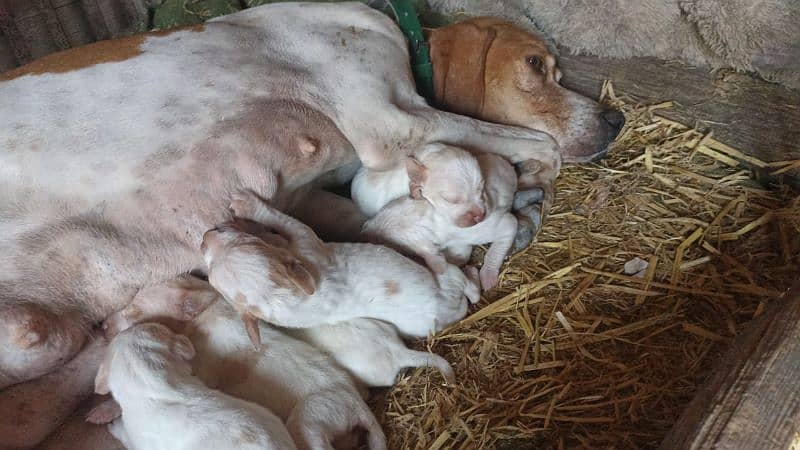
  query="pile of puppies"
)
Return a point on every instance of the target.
[{"x": 322, "y": 321}]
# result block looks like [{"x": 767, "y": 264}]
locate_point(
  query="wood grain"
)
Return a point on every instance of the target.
[{"x": 752, "y": 399}]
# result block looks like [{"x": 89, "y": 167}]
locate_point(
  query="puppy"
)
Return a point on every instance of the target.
[
  {"x": 303, "y": 386},
  {"x": 171, "y": 303},
  {"x": 416, "y": 226},
  {"x": 370, "y": 350},
  {"x": 163, "y": 406},
  {"x": 455, "y": 190},
  {"x": 309, "y": 282}
]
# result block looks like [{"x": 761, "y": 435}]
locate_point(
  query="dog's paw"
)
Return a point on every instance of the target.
[
  {"x": 526, "y": 231},
  {"x": 527, "y": 197}
]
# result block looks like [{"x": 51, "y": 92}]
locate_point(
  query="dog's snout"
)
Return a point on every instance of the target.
[{"x": 614, "y": 118}]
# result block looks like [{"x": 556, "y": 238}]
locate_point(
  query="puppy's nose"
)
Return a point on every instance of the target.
[
  {"x": 614, "y": 118},
  {"x": 478, "y": 216}
]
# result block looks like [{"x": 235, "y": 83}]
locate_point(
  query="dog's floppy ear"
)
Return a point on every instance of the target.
[
  {"x": 182, "y": 347},
  {"x": 101, "y": 379},
  {"x": 251, "y": 326},
  {"x": 417, "y": 174},
  {"x": 301, "y": 277},
  {"x": 458, "y": 54}
]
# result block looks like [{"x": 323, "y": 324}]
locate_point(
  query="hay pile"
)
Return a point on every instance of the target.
[{"x": 570, "y": 351}]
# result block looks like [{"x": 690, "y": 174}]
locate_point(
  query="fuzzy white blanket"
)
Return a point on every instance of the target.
[{"x": 751, "y": 35}]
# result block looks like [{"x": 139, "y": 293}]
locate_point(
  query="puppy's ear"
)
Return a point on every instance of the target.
[
  {"x": 417, "y": 175},
  {"x": 182, "y": 347},
  {"x": 301, "y": 277},
  {"x": 101, "y": 379},
  {"x": 251, "y": 326},
  {"x": 104, "y": 413}
]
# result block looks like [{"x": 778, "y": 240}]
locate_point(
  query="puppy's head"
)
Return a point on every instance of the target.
[
  {"x": 270, "y": 264},
  {"x": 147, "y": 341},
  {"x": 450, "y": 179},
  {"x": 493, "y": 70}
]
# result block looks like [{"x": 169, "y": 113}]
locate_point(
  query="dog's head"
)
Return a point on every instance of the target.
[{"x": 493, "y": 70}]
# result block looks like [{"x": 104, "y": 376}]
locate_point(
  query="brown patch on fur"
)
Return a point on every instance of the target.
[
  {"x": 237, "y": 370},
  {"x": 31, "y": 331},
  {"x": 391, "y": 288},
  {"x": 101, "y": 52}
]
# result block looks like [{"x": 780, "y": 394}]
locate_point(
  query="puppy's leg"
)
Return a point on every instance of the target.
[
  {"x": 505, "y": 232},
  {"x": 30, "y": 411},
  {"x": 316, "y": 421},
  {"x": 117, "y": 429},
  {"x": 34, "y": 341},
  {"x": 332, "y": 217}
]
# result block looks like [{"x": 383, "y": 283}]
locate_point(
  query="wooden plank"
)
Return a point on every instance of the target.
[
  {"x": 759, "y": 118},
  {"x": 751, "y": 400}
]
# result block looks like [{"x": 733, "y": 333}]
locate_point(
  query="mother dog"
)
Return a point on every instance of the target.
[{"x": 117, "y": 156}]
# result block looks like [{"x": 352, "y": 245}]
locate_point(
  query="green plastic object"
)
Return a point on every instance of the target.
[{"x": 421, "y": 66}]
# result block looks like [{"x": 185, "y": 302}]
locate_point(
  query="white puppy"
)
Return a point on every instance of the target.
[
  {"x": 455, "y": 188},
  {"x": 415, "y": 226},
  {"x": 163, "y": 406},
  {"x": 303, "y": 386},
  {"x": 308, "y": 282},
  {"x": 370, "y": 350}
]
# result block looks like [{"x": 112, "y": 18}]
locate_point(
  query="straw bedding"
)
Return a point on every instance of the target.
[{"x": 573, "y": 352}]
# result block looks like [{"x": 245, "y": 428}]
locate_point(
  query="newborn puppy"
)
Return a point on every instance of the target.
[
  {"x": 416, "y": 227},
  {"x": 370, "y": 350},
  {"x": 178, "y": 300},
  {"x": 448, "y": 177},
  {"x": 310, "y": 283},
  {"x": 304, "y": 387},
  {"x": 163, "y": 406}
]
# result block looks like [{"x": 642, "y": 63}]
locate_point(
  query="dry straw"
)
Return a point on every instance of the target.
[{"x": 571, "y": 352}]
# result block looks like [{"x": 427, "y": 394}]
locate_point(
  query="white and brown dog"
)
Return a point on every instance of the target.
[{"x": 120, "y": 154}]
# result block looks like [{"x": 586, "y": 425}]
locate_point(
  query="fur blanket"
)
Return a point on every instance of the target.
[{"x": 750, "y": 35}]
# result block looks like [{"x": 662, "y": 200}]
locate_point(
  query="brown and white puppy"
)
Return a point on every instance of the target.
[
  {"x": 414, "y": 225},
  {"x": 148, "y": 373},
  {"x": 447, "y": 177},
  {"x": 312, "y": 282},
  {"x": 491, "y": 69}
]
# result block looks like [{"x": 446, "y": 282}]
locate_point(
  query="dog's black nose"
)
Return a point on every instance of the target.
[{"x": 614, "y": 118}]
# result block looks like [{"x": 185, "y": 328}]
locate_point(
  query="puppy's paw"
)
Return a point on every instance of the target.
[
  {"x": 489, "y": 278},
  {"x": 104, "y": 413},
  {"x": 472, "y": 288}
]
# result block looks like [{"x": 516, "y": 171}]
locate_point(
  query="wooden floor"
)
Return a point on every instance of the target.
[{"x": 759, "y": 118}]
